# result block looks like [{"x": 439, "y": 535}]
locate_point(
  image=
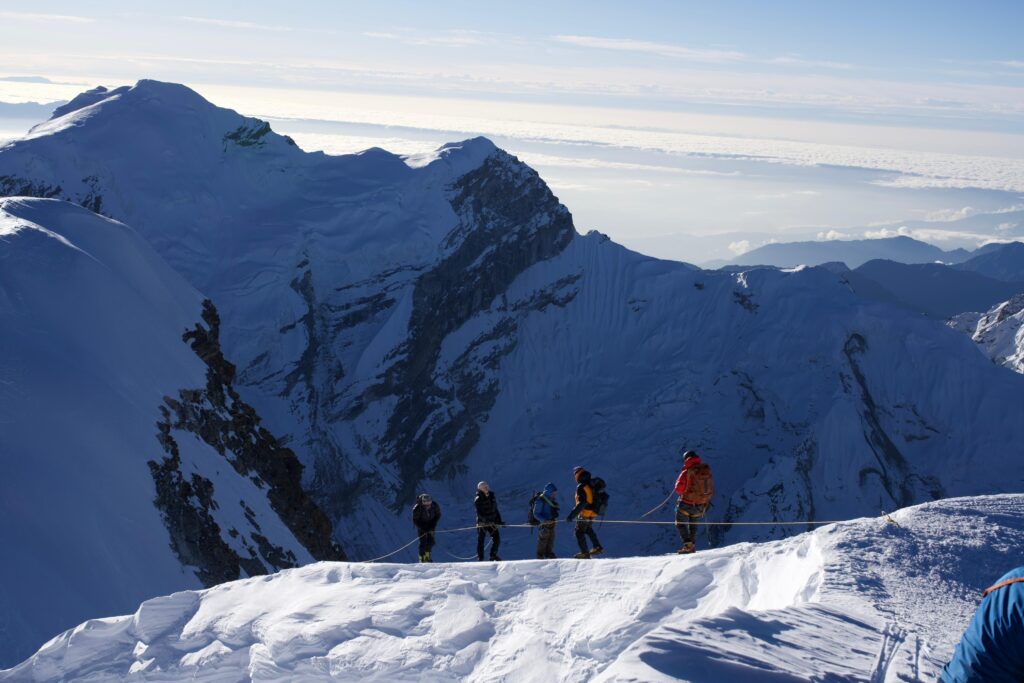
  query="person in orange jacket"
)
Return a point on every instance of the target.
[
  {"x": 695, "y": 490},
  {"x": 584, "y": 513}
]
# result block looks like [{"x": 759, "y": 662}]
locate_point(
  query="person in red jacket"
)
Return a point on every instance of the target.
[{"x": 695, "y": 491}]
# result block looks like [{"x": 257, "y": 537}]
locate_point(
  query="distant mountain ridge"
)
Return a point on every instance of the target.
[
  {"x": 853, "y": 253},
  {"x": 1000, "y": 261},
  {"x": 934, "y": 289}
]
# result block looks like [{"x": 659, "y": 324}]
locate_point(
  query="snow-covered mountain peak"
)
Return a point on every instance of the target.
[
  {"x": 87, "y": 99},
  {"x": 459, "y": 157},
  {"x": 156, "y": 117}
]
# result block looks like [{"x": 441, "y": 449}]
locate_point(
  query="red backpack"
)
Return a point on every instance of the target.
[{"x": 700, "y": 489}]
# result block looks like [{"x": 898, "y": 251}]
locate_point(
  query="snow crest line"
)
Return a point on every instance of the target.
[{"x": 614, "y": 521}]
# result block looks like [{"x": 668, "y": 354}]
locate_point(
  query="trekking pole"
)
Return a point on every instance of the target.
[{"x": 661, "y": 505}]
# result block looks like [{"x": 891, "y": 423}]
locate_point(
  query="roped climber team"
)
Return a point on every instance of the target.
[{"x": 694, "y": 487}]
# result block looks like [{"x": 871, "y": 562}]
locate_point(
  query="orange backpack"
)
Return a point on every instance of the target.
[{"x": 700, "y": 489}]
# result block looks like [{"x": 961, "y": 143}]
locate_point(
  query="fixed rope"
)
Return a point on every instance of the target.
[{"x": 638, "y": 522}]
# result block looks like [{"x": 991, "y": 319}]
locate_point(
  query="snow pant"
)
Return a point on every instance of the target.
[
  {"x": 426, "y": 541},
  {"x": 585, "y": 530},
  {"x": 481, "y": 534},
  {"x": 687, "y": 517},
  {"x": 546, "y": 541}
]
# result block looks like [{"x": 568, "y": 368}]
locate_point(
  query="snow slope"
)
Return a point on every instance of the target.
[
  {"x": 91, "y": 323},
  {"x": 999, "y": 333},
  {"x": 424, "y": 323},
  {"x": 862, "y": 600}
]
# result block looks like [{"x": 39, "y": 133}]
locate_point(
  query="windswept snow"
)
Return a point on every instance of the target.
[{"x": 867, "y": 600}]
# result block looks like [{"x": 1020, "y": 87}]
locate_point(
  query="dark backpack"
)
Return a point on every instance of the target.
[
  {"x": 600, "y": 504},
  {"x": 531, "y": 518}
]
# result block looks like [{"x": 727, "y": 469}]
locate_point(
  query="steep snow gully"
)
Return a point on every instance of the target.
[{"x": 870, "y": 600}]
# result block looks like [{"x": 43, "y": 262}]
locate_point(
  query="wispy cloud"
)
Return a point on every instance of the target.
[
  {"x": 651, "y": 48},
  {"x": 33, "y": 16},
  {"x": 230, "y": 23},
  {"x": 681, "y": 52},
  {"x": 740, "y": 247},
  {"x": 794, "y": 60},
  {"x": 934, "y": 235},
  {"x": 551, "y": 160},
  {"x": 832, "y": 235},
  {"x": 449, "y": 38},
  {"x": 787, "y": 195}
]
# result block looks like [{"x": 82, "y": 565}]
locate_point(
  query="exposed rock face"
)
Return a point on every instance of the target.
[
  {"x": 218, "y": 416},
  {"x": 508, "y": 221},
  {"x": 999, "y": 333},
  {"x": 893, "y": 470}
]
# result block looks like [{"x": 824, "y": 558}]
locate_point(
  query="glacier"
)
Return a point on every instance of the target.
[{"x": 881, "y": 599}]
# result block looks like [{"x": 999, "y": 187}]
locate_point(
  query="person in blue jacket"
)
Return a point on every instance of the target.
[
  {"x": 992, "y": 648},
  {"x": 545, "y": 509}
]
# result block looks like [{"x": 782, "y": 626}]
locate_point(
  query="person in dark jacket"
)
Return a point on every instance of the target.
[
  {"x": 488, "y": 519},
  {"x": 692, "y": 504},
  {"x": 992, "y": 647},
  {"x": 586, "y": 515},
  {"x": 545, "y": 510},
  {"x": 426, "y": 513}
]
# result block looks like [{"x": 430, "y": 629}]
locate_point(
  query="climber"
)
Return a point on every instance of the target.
[
  {"x": 488, "y": 519},
  {"x": 426, "y": 513},
  {"x": 586, "y": 515},
  {"x": 695, "y": 490},
  {"x": 992, "y": 647},
  {"x": 544, "y": 513}
]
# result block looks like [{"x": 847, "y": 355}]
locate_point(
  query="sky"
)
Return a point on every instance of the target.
[{"x": 687, "y": 130}]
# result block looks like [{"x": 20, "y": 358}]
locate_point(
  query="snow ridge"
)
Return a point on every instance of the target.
[{"x": 864, "y": 600}]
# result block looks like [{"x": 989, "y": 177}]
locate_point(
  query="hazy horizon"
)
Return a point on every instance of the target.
[{"x": 680, "y": 130}]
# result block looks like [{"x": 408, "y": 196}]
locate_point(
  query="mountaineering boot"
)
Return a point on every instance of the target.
[
  {"x": 582, "y": 556},
  {"x": 495, "y": 558},
  {"x": 687, "y": 549},
  {"x": 426, "y": 557},
  {"x": 596, "y": 551},
  {"x": 423, "y": 557}
]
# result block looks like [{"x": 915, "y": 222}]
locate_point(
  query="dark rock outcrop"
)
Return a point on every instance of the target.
[
  {"x": 222, "y": 420},
  {"x": 508, "y": 221}
]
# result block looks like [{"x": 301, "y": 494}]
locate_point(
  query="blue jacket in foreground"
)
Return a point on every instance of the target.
[{"x": 992, "y": 649}]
